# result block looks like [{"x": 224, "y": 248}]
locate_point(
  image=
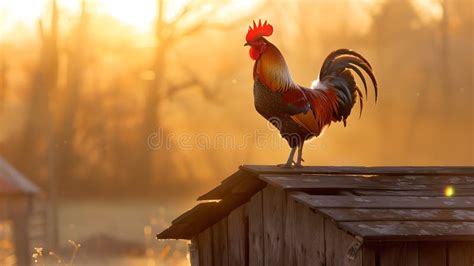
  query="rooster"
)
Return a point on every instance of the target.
[{"x": 302, "y": 113}]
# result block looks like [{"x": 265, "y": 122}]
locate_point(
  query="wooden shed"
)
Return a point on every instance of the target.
[
  {"x": 265, "y": 215},
  {"x": 16, "y": 196}
]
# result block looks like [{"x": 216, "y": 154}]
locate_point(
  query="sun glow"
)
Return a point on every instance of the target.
[
  {"x": 138, "y": 14},
  {"x": 429, "y": 9},
  {"x": 13, "y": 14}
]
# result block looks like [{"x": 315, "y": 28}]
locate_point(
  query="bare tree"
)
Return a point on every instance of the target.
[
  {"x": 51, "y": 86},
  {"x": 3, "y": 75},
  {"x": 75, "y": 68},
  {"x": 444, "y": 58},
  {"x": 167, "y": 35}
]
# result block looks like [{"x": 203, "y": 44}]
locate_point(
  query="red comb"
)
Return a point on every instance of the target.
[{"x": 258, "y": 31}]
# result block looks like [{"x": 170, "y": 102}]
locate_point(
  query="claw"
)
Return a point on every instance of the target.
[
  {"x": 285, "y": 165},
  {"x": 298, "y": 165}
]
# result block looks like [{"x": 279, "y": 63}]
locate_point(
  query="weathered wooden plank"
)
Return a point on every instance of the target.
[
  {"x": 389, "y": 170},
  {"x": 237, "y": 235},
  {"x": 394, "y": 202},
  {"x": 204, "y": 208},
  {"x": 302, "y": 182},
  {"x": 239, "y": 182},
  {"x": 368, "y": 256},
  {"x": 399, "y": 254},
  {"x": 205, "y": 247},
  {"x": 219, "y": 243},
  {"x": 274, "y": 208},
  {"x": 294, "y": 245},
  {"x": 407, "y": 179},
  {"x": 202, "y": 216},
  {"x": 432, "y": 253},
  {"x": 338, "y": 246},
  {"x": 324, "y": 182},
  {"x": 304, "y": 235},
  {"x": 411, "y": 253},
  {"x": 226, "y": 186},
  {"x": 311, "y": 231},
  {"x": 460, "y": 253},
  {"x": 433, "y": 175},
  {"x": 193, "y": 248},
  {"x": 255, "y": 214},
  {"x": 410, "y": 230},
  {"x": 346, "y": 215},
  {"x": 440, "y": 192},
  {"x": 472, "y": 252},
  {"x": 249, "y": 186}
]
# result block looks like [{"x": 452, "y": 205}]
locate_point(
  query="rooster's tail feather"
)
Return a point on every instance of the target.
[{"x": 335, "y": 74}]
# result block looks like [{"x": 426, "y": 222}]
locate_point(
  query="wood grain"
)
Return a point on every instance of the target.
[
  {"x": 205, "y": 247},
  {"x": 237, "y": 237},
  {"x": 193, "y": 248},
  {"x": 317, "y": 183},
  {"x": 392, "y": 202},
  {"x": 219, "y": 243},
  {"x": 295, "y": 249},
  {"x": 312, "y": 233},
  {"x": 399, "y": 254},
  {"x": 304, "y": 235},
  {"x": 386, "y": 170},
  {"x": 430, "y": 192},
  {"x": 368, "y": 256},
  {"x": 338, "y": 243},
  {"x": 432, "y": 254},
  {"x": 274, "y": 208},
  {"x": 460, "y": 253},
  {"x": 411, "y": 230},
  {"x": 256, "y": 242},
  {"x": 351, "y": 215}
]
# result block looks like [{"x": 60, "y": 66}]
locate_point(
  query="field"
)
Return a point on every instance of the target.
[{"x": 117, "y": 233}]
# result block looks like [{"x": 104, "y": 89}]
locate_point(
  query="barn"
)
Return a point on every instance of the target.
[
  {"x": 16, "y": 199},
  {"x": 266, "y": 215}
]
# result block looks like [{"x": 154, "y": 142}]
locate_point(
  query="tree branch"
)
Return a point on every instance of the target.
[
  {"x": 204, "y": 23},
  {"x": 209, "y": 92}
]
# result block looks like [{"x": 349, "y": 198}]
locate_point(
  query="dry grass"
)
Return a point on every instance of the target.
[
  {"x": 7, "y": 256},
  {"x": 39, "y": 255}
]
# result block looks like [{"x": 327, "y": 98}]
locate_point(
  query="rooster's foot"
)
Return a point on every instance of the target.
[
  {"x": 298, "y": 165},
  {"x": 285, "y": 165}
]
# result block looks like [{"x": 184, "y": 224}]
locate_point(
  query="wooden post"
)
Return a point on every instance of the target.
[
  {"x": 204, "y": 240},
  {"x": 194, "y": 252},
  {"x": 220, "y": 248},
  {"x": 19, "y": 213}
]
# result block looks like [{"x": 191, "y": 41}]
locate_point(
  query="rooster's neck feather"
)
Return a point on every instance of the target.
[{"x": 272, "y": 70}]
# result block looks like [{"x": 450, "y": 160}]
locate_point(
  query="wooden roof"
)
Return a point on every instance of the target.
[
  {"x": 13, "y": 182},
  {"x": 374, "y": 203}
]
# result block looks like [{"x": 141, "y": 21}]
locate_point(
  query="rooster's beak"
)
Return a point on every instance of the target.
[{"x": 246, "y": 44}]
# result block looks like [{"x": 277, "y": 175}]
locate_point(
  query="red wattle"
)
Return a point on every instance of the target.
[{"x": 254, "y": 54}]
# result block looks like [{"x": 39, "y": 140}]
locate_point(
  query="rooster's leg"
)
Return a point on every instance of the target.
[
  {"x": 299, "y": 158},
  {"x": 289, "y": 162}
]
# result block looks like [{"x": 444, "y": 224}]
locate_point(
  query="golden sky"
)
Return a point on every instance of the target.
[{"x": 24, "y": 14}]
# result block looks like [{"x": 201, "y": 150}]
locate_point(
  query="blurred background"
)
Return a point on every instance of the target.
[{"x": 123, "y": 112}]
